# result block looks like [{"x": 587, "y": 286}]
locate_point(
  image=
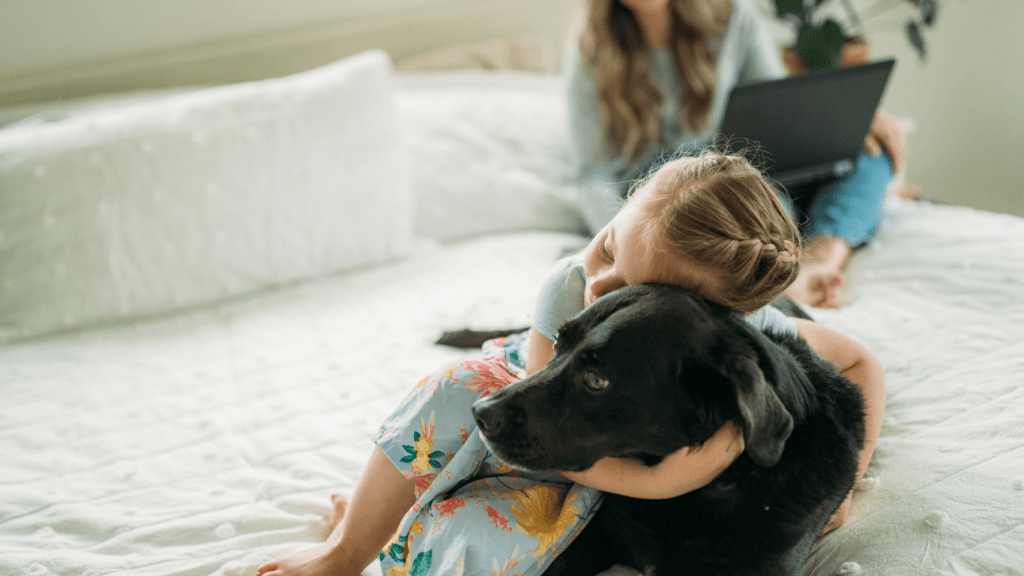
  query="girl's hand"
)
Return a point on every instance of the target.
[
  {"x": 683, "y": 471},
  {"x": 839, "y": 517}
]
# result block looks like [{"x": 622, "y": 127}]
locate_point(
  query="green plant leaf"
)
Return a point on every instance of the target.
[
  {"x": 929, "y": 10},
  {"x": 820, "y": 47},
  {"x": 786, "y": 7},
  {"x": 916, "y": 38}
]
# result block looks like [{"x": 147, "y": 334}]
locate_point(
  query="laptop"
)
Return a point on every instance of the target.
[{"x": 807, "y": 127}]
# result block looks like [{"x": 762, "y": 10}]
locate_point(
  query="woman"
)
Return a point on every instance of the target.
[{"x": 648, "y": 77}]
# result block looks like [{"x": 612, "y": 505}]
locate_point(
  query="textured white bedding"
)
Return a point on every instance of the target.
[{"x": 209, "y": 442}]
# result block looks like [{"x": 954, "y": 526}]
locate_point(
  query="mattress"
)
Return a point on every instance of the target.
[{"x": 209, "y": 442}]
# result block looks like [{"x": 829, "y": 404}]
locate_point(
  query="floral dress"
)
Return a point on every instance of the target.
[{"x": 474, "y": 514}]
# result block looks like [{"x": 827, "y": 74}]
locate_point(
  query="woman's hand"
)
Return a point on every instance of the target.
[
  {"x": 683, "y": 471},
  {"x": 887, "y": 133}
]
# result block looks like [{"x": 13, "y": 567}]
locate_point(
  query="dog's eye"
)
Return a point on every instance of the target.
[{"x": 594, "y": 381}]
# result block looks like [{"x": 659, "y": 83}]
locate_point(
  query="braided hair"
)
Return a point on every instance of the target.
[{"x": 721, "y": 212}]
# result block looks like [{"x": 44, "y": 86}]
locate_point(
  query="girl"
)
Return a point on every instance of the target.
[
  {"x": 647, "y": 76},
  {"x": 711, "y": 224}
]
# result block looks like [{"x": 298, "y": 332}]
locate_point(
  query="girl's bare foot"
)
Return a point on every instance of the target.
[
  {"x": 326, "y": 559},
  {"x": 322, "y": 560},
  {"x": 340, "y": 505}
]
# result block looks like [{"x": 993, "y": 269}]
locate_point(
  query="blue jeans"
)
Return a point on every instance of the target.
[{"x": 848, "y": 207}]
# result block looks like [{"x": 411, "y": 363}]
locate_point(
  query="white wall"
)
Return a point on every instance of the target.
[
  {"x": 967, "y": 100},
  {"x": 65, "y": 48}
]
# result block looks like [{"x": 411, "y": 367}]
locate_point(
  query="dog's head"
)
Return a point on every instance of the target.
[{"x": 642, "y": 372}]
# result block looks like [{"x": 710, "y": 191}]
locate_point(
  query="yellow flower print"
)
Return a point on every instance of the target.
[
  {"x": 450, "y": 373},
  {"x": 542, "y": 514},
  {"x": 416, "y": 529},
  {"x": 398, "y": 549},
  {"x": 421, "y": 455}
]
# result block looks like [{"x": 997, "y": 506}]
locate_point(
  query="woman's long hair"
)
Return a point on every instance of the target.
[{"x": 613, "y": 44}]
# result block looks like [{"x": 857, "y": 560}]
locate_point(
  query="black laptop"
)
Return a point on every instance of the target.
[{"x": 807, "y": 127}]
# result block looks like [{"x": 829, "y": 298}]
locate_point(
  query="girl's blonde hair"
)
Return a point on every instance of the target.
[
  {"x": 614, "y": 46},
  {"x": 720, "y": 212}
]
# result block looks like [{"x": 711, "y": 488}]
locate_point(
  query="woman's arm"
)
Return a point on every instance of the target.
[
  {"x": 761, "y": 60},
  {"x": 682, "y": 471},
  {"x": 600, "y": 190},
  {"x": 863, "y": 368},
  {"x": 886, "y": 135}
]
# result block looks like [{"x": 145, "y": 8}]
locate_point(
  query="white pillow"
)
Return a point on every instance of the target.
[
  {"x": 488, "y": 153},
  {"x": 168, "y": 202}
]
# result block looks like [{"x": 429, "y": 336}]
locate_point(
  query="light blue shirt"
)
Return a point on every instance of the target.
[{"x": 561, "y": 298}]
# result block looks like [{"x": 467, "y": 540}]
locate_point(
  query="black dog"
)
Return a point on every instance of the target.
[{"x": 649, "y": 369}]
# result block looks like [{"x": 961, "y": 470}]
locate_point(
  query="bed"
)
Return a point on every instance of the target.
[{"x": 205, "y": 315}]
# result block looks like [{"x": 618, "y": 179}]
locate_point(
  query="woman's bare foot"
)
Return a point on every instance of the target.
[
  {"x": 340, "y": 505},
  {"x": 322, "y": 560},
  {"x": 818, "y": 286},
  {"x": 821, "y": 280},
  {"x": 910, "y": 192}
]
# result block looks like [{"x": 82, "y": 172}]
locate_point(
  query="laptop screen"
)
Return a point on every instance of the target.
[{"x": 804, "y": 127}]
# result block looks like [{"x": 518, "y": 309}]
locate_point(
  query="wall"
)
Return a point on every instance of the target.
[
  {"x": 51, "y": 49},
  {"x": 967, "y": 101}
]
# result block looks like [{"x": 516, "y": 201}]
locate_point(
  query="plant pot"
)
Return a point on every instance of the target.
[{"x": 853, "y": 53}]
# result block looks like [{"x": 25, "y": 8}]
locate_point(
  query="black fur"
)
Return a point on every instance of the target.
[{"x": 677, "y": 368}]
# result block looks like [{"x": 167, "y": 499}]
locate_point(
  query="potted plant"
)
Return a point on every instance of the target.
[{"x": 823, "y": 42}]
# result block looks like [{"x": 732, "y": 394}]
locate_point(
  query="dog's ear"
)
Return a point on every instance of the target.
[{"x": 767, "y": 423}]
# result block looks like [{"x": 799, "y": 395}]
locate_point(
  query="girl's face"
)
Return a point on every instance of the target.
[{"x": 623, "y": 252}]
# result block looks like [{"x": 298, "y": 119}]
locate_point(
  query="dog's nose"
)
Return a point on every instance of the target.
[{"x": 488, "y": 417}]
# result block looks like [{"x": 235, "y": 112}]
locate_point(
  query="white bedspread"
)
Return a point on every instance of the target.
[{"x": 208, "y": 443}]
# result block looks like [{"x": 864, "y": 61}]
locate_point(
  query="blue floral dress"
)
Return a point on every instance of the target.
[{"x": 474, "y": 514}]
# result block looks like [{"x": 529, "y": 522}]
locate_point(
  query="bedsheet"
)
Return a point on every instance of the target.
[{"x": 209, "y": 442}]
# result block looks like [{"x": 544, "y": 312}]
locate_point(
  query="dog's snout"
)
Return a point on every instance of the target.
[
  {"x": 491, "y": 417},
  {"x": 488, "y": 418}
]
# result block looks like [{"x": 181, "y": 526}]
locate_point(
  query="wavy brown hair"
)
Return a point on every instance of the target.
[{"x": 613, "y": 44}]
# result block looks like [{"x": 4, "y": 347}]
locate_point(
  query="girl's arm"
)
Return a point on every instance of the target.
[
  {"x": 680, "y": 472},
  {"x": 863, "y": 368}
]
